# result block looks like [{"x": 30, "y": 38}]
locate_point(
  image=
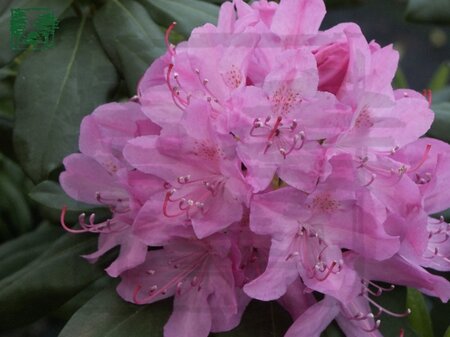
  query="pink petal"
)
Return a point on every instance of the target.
[{"x": 315, "y": 319}]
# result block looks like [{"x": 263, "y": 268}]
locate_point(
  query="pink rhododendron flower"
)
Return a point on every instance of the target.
[{"x": 263, "y": 158}]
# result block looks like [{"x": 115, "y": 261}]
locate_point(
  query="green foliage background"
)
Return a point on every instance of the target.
[{"x": 102, "y": 49}]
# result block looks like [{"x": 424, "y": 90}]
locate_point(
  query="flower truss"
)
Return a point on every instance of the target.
[{"x": 266, "y": 159}]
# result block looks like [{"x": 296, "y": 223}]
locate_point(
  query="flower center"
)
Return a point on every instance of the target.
[
  {"x": 193, "y": 195},
  {"x": 286, "y": 138}
]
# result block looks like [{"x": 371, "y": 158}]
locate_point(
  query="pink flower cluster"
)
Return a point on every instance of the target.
[{"x": 265, "y": 159}]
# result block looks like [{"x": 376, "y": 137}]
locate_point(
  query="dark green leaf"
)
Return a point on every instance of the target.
[
  {"x": 333, "y": 331},
  {"x": 74, "y": 304},
  {"x": 441, "y": 96},
  {"x": 16, "y": 254},
  {"x": 14, "y": 205},
  {"x": 50, "y": 194},
  {"x": 107, "y": 315},
  {"x": 47, "y": 282},
  {"x": 440, "y": 78},
  {"x": 432, "y": 11},
  {"x": 78, "y": 77},
  {"x": 6, "y": 53},
  {"x": 400, "y": 80},
  {"x": 447, "y": 333},
  {"x": 395, "y": 301},
  {"x": 5, "y": 232},
  {"x": 440, "y": 317},
  {"x": 6, "y": 132},
  {"x": 187, "y": 13},
  {"x": 441, "y": 125},
  {"x": 261, "y": 319},
  {"x": 130, "y": 38},
  {"x": 420, "y": 318}
]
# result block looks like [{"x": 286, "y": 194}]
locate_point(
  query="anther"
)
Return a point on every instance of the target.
[{"x": 169, "y": 46}]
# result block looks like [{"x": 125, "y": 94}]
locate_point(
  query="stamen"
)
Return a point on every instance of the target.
[
  {"x": 177, "y": 100},
  {"x": 428, "y": 95},
  {"x": 275, "y": 129},
  {"x": 390, "y": 313},
  {"x": 236, "y": 138},
  {"x": 67, "y": 228},
  {"x": 423, "y": 160},
  {"x": 328, "y": 273},
  {"x": 372, "y": 179},
  {"x": 204, "y": 83},
  {"x": 374, "y": 328},
  {"x": 154, "y": 291},
  {"x": 165, "y": 204},
  {"x": 291, "y": 255},
  {"x": 169, "y": 46},
  {"x": 92, "y": 227}
]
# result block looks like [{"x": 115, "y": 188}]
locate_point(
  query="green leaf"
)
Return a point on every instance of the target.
[
  {"x": 75, "y": 303},
  {"x": 400, "y": 80},
  {"x": 420, "y": 318},
  {"x": 53, "y": 199},
  {"x": 187, "y": 13},
  {"x": 54, "y": 90},
  {"x": 333, "y": 331},
  {"x": 440, "y": 317},
  {"x": 261, "y": 319},
  {"x": 47, "y": 282},
  {"x": 395, "y": 301},
  {"x": 14, "y": 205},
  {"x": 430, "y": 11},
  {"x": 6, "y": 53},
  {"x": 6, "y": 132},
  {"x": 107, "y": 315},
  {"x": 441, "y": 96},
  {"x": 441, "y": 125},
  {"x": 16, "y": 254},
  {"x": 134, "y": 43},
  {"x": 440, "y": 78},
  {"x": 50, "y": 194},
  {"x": 447, "y": 333}
]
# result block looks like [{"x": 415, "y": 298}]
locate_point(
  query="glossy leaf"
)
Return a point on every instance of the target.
[
  {"x": 187, "y": 13},
  {"x": 395, "y": 301},
  {"x": 441, "y": 125},
  {"x": 107, "y": 315},
  {"x": 49, "y": 108},
  {"x": 6, "y": 53},
  {"x": 440, "y": 317},
  {"x": 47, "y": 282},
  {"x": 16, "y": 254},
  {"x": 441, "y": 96},
  {"x": 14, "y": 205},
  {"x": 50, "y": 194},
  {"x": 420, "y": 318},
  {"x": 66, "y": 311},
  {"x": 130, "y": 37},
  {"x": 333, "y": 331},
  {"x": 447, "y": 333},
  {"x": 440, "y": 78},
  {"x": 431, "y": 11},
  {"x": 400, "y": 80}
]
